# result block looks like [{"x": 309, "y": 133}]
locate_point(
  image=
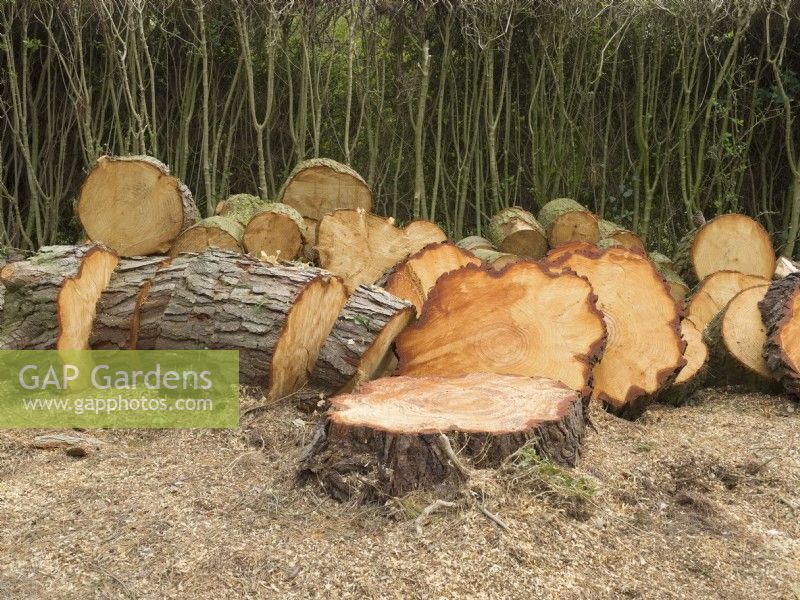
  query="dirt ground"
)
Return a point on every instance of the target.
[{"x": 696, "y": 502}]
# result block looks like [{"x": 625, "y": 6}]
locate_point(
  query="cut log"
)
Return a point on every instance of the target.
[
  {"x": 276, "y": 316},
  {"x": 727, "y": 243},
  {"x": 565, "y": 221},
  {"x": 516, "y": 231},
  {"x": 357, "y": 346},
  {"x": 319, "y": 186},
  {"x": 677, "y": 286},
  {"x": 276, "y": 231},
  {"x": 715, "y": 292},
  {"x": 309, "y": 243},
  {"x": 735, "y": 339},
  {"x": 612, "y": 234},
  {"x": 784, "y": 267},
  {"x": 116, "y": 326},
  {"x": 780, "y": 311},
  {"x": 133, "y": 206},
  {"x": 522, "y": 320},
  {"x": 413, "y": 279},
  {"x": 360, "y": 247},
  {"x": 386, "y": 440},
  {"x": 497, "y": 260},
  {"x": 240, "y": 207},
  {"x": 213, "y": 232},
  {"x": 51, "y": 298},
  {"x": 662, "y": 261},
  {"x": 475, "y": 242},
  {"x": 693, "y": 375},
  {"x": 644, "y": 351}
]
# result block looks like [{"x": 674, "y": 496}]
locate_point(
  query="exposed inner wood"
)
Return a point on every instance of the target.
[
  {"x": 566, "y": 221},
  {"x": 497, "y": 260},
  {"x": 732, "y": 243},
  {"x": 618, "y": 235},
  {"x": 274, "y": 234},
  {"x": 214, "y": 232},
  {"x": 516, "y": 231},
  {"x": 714, "y": 293},
  {"x": 780, "y": 311},
  {"x": 696, "y": 353}
]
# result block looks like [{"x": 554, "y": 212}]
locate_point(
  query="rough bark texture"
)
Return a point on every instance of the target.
[
  {"x": 497, "y": 260},
  {"x": 240, "y": 208},
  {"x": 516, "y": 231},
  {"x": 160, "y": 292},
  {"x": 116, "y": 324},
  {"x": 714, "y": 293},
  {"x": 475, "y": 242},
  {"x": 213, "y": 232},
  {"x": 612, "y": 234},
  {"x": 51, "y": 298},
  {"x": 133, "y": 205},
  {"x": 780, "y": 311},
  {"x": 566, "y": 221},
  {"x": 662, "y": 261},
  {"x": 693, "y": 375},
  {"x": 357, "y": 344},
  {"x": 386, "y": 440},
  {"x": 277, "y": 230}
]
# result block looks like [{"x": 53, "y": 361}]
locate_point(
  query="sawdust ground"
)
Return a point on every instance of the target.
[{"x": 695, "y": 502}]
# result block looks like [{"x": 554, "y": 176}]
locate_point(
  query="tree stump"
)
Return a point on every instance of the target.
[
  {"x": 387, "y": 439},
  {"x": 780, "y": 310},
  {"x": 693, "y": 375},
  {"x": 565, "y": 221},
  {"x": 516, "y": 231},
  {"x": 213, "y": 232},
  {"x": 714, "y": 293},
  {"x": 277, "y": 230}
]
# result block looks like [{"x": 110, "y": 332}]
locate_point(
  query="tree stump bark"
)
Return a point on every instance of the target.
[
  {"x": 275, "y": 231},
  {"x": 693, "y": 375},
  {"x": 51, "y": 298},
  {"x": 780, "y": 310},
  {"x": 612, "y": 234},
  {"x": 516, "y": 231},
  {"x": 240, "y": 208},
  {"x": 565, "y": 221},
  {"x": 386, "y": 439},
  {"x": 159, "y": 294},
  {"x": 714, "y": 293},
  {"x": 475, "y": 242},
  {"x": 213, "y": 232}
]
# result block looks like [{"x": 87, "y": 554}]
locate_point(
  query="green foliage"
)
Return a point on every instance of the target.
[{"x": 554, "y": 479}]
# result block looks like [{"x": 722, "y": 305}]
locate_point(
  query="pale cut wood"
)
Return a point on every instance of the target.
[
  {"x": 213, "y": 232},
  {"x": 715, "y": 292},
  {"x": 475, "y": 242},
  {"x": 780, "y": 311},
  {"x": 516, "y": 231},
  {"x": 566, "y": 221},
  {"x": 693, "y": 375},
  {"x": 277, "y": 230}
]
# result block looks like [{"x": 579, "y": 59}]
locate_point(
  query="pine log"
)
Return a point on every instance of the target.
[
  {"x": 276, "y": 316},
  {"x": 714, "y": 293},
  {"x": 51, "y": 298},
  {"x": 565, "y": 221},
  {"x": 357, "y": 346},
  {"x": 693, "y": 375},
  {"x": 780, "y": 311},
  {"x": 644, "y": 351},
  {"x": 475, "y": 242},
  {"x": 413, "y": 279},
  {"x": 516, "y": 231},
  {"x": 275, "y": 231},
  {"x": 522, "y": 320},
  {"x": 360, "y": 247},
  {"x": 213, "y": 232},
  {"x": 612, "y": 234},
  {"x": 319, "y": 186},
  {"x": 160, "y": 292},
  {"x": 736, "y": 337},
  {"x": 116, "y": 325},
  {"x": 240, "y": 208},
  {"x": 386, "y": 439},
  {"x": 134, "y": 206},
  {"x": 727, "y": 243}
]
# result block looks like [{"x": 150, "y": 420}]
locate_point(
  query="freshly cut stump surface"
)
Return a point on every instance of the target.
[
  {"x": 780, "y": 310},
  {"x": 319, "y": 186},
  {"x": 385, "y": 440},
  {"x": 275, "y": 231},
  {"x": 644, "y": 351},
  {"x": 516, "y": 231},
  {"x": 51, "y": 298},
  {"x": 714, "y": 293},
  {"x": 692, "y": 376},
  {"x": 134, "y": 206},
  {"x": 522, "y": 320},
  {"x": 565, "y": 221},
  {"x": 221, "y": 233}
]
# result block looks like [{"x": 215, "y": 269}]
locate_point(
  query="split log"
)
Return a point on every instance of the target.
[
  {"x": 213, "y": 232},
  {"x": 358, "y": 345},
  {"x": 780, "y": 311},
  {"x": 644, "y": 351},
  {"x": 116, "y": 326},
  {"x": 133, "y": 206},
  {"x": 396, "y": 434},
  {"x": 51, "y": 298},
  {"x": 522, "y": 320},
  {"x": 612, "y": 234},
  {"x": 565, "y": 221},
  {"x": 360, "y": 247},
  {"x": 240, "y": 207},
  {"x": 276, "y": 231},
  {"x": 736, "y": 339},
  {"x": 413, "y": 279},
  {"x": 715, "y": 292},
  {"x": 516, "y": 231},
  {"x": 319, "y": 186},
  {"x": 693, "y": 375},
  {"x": 727, "y": 243},
  {"x": 277, "y": 316}
]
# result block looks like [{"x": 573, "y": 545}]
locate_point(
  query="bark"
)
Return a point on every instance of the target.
[
  {"x": 612, "y": 234},
  {"x": 516, "y": 231},
  {"x": 160, "y": 292},
  {"x": 240, "y": 208},
  {"x": 566, "y": 221},
  {"x": 780, "y": 311}
]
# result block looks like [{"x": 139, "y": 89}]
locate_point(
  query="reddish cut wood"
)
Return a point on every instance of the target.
[{"x": 780, "y": 310}]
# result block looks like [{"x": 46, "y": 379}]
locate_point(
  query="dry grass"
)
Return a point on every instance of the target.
[{"x": 696, "y": 502}]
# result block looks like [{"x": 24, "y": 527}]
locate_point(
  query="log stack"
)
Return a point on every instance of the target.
[{"x": 780, "y": 310}]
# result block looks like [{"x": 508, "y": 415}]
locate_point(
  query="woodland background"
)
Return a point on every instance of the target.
[{"x": 646, "y": 111}]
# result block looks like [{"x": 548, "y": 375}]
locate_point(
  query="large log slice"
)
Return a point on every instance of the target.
[
  {"x": 213, "y": 232},
  {"x": 116, "y": 324},
  {"x": 358, "y": 346},
  {"x": 644, "y": 351},
  {"x": 726, "y": 243},
  {"x": 413, "y": 279},
  {"x": 134, "y": 206},
  {"x": 277, "y": 316},
  {"x": 360, "y": 247},
  {"x": 522, "y": 320},
  {"x": 51, "y": 298},
  {"x": 277, "y": 230},
  {"x": 319, "y": 186},
  {"x": 780, "y": 310},
  {"x": 565, "y": 221},
  {"x": 386, "y": 439},
  {"x": 693, "y": 375},
  {"x": 516, "y": 231},
  {"x": 735, "y": 339},
  {"x": 714, "y": 293}
]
